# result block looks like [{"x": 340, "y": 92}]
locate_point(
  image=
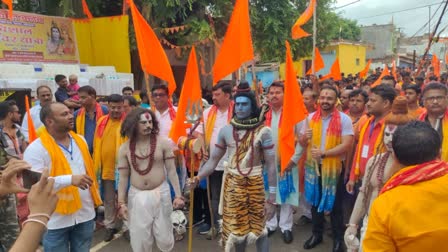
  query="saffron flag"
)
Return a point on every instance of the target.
[
  {"x": 335, "y": 71},
  {"x": 297, "y": 31},
  {"x": 384, "y": 73},
  {"x": 190, "y": 101},
  {"x": 152, "y": 55},
  {"x": 394, "y": 70},
  {"x": 318, "y": 62},
  {"x": 237, "y": 45},
  {"x": 436, "y": 65},
  {"x": 32, "y": 135},
  {"x": 85, "y": 9},
  {"x": 293, "y": 112},
  {"x": 364, "y": 72},
  {"x": 9, "y": 4}
]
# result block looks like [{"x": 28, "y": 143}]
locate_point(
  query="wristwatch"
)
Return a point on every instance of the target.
[{"x": 322, "y": 156}]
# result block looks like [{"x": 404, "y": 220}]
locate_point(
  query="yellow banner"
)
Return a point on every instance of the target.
[
  {"x": 37, "y": 38},
  {"x": 104, "y": 41},
  {"x": 5, "y": 94}
]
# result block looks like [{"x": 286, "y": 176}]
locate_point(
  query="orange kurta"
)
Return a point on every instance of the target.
[
  {"x": 410, "y": 218},
  {"x": 108, "y": 149}
]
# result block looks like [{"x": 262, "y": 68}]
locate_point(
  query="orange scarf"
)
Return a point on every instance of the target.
[
  {"x": 268, "y": 118},
  {"x": 444, "y": 154},
  {"x": 69, "y": 198},
  {"x": 331, "y": 166},
  {"x": 416, "y": 173},
  {"x": 361, "y": 141},
  {"x": 81, "y": 118},
  {"x": 210, "y": 123},
  {"x": 97, "y": 142}
]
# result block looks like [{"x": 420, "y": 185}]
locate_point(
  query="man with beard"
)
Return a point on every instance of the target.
[
  {"x": 371, "y": 132},
  {"x": 88, "y": 115},
  {"x": 412, "y": 92},
  {"x": 435, "y": 99},
  {"x": 143, "y": 159},
  {"x": 45, "y": 96},
  {"x": 330, "y": 133},
  {"x": 66, "y": 154},
  {"x": 13, "y": 143},
  {"x": 106, "y": 142},
  {"x": 215, "y": 118},
  {"x": 248, "y": 142}
]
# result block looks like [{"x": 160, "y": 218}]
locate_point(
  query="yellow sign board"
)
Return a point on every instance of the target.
[{"x": 36, "y": 38}]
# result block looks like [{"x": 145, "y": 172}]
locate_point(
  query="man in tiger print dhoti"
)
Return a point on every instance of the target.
[{"x": 243, "y": 206}]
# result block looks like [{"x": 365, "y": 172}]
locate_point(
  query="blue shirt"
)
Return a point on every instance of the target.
[
  {"x": 61, "y": 94},
  {"x": 90, "y": 126}
]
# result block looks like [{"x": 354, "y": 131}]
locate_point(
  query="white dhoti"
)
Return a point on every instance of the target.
[
  {"x": 363, "y": 231},
  {"x": 149, "y": 218}
]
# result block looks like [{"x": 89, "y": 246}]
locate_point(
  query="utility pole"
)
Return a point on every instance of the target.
[
  {"x": 429, "y": 21},
  {"x": 314, "y": 37}
]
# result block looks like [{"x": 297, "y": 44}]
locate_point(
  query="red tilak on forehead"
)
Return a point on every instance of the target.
[{"x": 147, "y": 115}]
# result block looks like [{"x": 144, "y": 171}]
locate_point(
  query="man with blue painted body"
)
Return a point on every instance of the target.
[{"x": 243, "y": 205}]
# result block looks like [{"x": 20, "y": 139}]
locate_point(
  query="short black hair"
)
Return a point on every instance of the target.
[
  {"x": 87, "y": 89},
  {"x": 389, "y": 77},
  {"x": 435, "y": 86},
  {"x": 131, "y": 100},
  {"x": 385, "y": 91},
  {"x": 42, "y": 87},
  {"x": 422, "y": 147},
  {"x": 143, "y": 94},
  {"x": 102, "y": 99},
  {"x": 126, "y": 89},
  {"x": 225, "y": 86},
  {"x": 433, "y": 78},
  {"x": 357, "y": 92},
  {"x": 6, "y": 107},
  {"x": 59, "y": 77},
  {"x": 277, "y": 84},
  {"x": 160, "y": 86},
  {"x": 116, "y": 98},
  {"x": 419, "y": 78},
  {"x": 46, "y": 112},
  {"x": 414, "y": 87},
  {"x": 330, "y": 88}
]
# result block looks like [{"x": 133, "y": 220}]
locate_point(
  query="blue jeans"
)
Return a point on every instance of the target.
[{"x": 77, "y": 238}]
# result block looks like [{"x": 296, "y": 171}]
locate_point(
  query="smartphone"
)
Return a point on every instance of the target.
[{"x": 30, "y": 178}]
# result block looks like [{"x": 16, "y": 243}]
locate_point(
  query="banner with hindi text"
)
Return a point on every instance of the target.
[{"x": 31, "y": 37}]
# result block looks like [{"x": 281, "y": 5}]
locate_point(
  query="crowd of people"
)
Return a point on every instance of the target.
[{"x": 369, "y": 155}]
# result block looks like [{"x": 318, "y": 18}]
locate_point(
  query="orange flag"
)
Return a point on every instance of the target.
[
  {"x": 318, "y": 62},
  {"x": 436, "y": 65},
  {"x": 293, "y": 111},
  {"x": 237, "y": 45},
  {"x": 335, "y": 71},
  {"x": 446, "y": 59},
  {"x": 297, "y": 31},
  {"x": 384, "y": 73},
  {"x": 364, "y": 72},
  {"x": 190, "y": 101},
  {"x": 394, "y": 70},
  {"x": 152, "y": 55},
  {"x": 32, "y": 135},
  {"x": 9, "y": 4},
  {"x": 85, "y": 9}
]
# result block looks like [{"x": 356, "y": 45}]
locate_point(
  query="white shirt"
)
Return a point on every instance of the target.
[
  {"x": 37, "y": 156},
  {"x": 220, "y": 122},
  {"x": 35, "y": 115},
  {"x": 275, "y": 122},
  {"x": 165, "y": 124}
]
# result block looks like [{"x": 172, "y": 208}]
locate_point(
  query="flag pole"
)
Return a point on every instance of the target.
[{"x": 314, "y": 38}]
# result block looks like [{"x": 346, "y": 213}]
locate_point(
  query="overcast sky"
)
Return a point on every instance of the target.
[{"x": 409, "y": 21}]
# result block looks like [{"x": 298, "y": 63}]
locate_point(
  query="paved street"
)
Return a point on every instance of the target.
[{"x": 203, "y": 245}]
